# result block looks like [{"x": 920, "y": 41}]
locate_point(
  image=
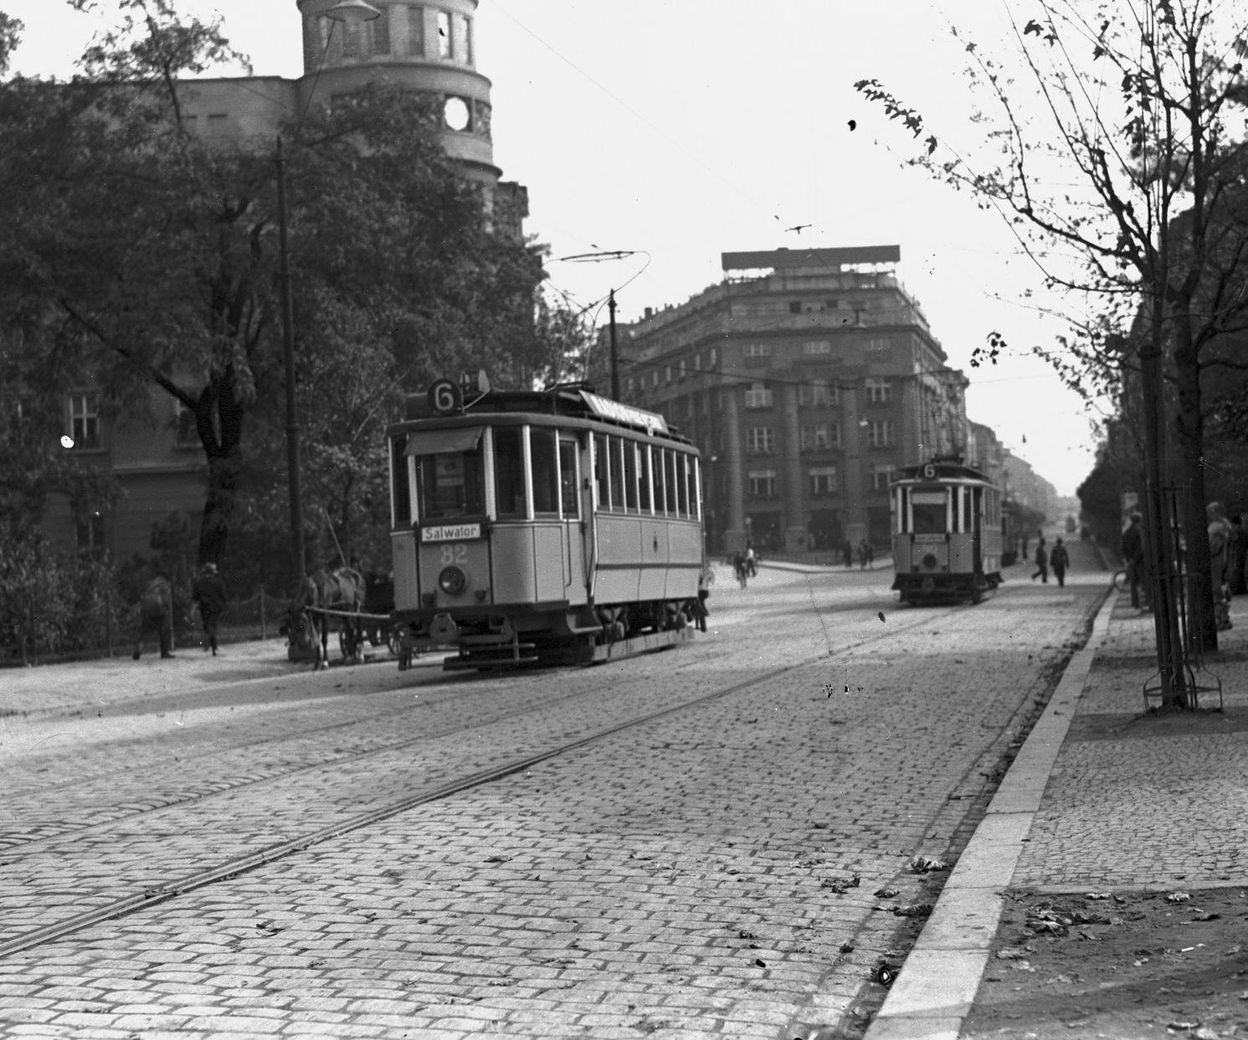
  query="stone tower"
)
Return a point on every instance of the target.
[{"x": 428, "y": 48}]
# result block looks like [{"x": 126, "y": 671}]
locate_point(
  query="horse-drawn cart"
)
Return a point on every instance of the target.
[{"x": 341, "y": 599}]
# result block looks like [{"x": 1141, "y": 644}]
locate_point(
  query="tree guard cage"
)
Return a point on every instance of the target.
[{"x": 1180, "y": 658}]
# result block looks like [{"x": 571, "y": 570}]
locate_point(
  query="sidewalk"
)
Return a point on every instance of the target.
[{"x": 1101, "y": 798}]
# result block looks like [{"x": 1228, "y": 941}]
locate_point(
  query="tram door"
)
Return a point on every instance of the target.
[
  {"x": 558, "y": 547},
  {"x": 977, "y": 528}
]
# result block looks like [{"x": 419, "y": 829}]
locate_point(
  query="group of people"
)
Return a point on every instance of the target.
[
  {"x": 1058, "y": 559},
  {"x": 156, "y": 609},
  {"x": 866, "y": 554},
  {"x": 1228, "y": 561},
  {"x": 745, "y": 565}
]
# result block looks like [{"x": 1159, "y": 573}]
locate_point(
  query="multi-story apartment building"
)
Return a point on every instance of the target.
[
  {"x": 427, "y": 48},
  {"x": 806, "y": 377}
]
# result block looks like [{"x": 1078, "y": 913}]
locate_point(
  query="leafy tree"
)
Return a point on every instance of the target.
[
  {"x": 148, "y": 256},
  {"x": 1119, "y": 147}
]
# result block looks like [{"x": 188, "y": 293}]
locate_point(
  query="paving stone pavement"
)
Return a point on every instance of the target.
[
  {"x": 1104, "y": 796},
  {"x": 639, "y": 886}
]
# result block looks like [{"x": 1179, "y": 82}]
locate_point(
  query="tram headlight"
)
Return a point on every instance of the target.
[
  {"x": 452, "y": 581},
  {"x": 930, "y": 561}
]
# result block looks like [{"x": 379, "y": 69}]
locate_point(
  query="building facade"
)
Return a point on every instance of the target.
[
  {"x": 426, "y": 48},
  {"x": 806, "y": 378}
]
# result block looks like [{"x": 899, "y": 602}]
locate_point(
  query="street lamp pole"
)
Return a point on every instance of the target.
[{"x": 350, "y": 12}]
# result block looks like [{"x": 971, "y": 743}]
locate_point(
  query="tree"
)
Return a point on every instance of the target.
[
  {"x": 141, "y": 253},
  {"x": 1120, "y": 147}
]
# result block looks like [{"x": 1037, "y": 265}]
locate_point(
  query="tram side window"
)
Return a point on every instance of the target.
[
  {"x": 602, "y": 469},
  {"x": 630, "y": 476},
  {"x": 685, "y": 476},
  {"x": 569, "y": 490},
  {"x": 645, "y": 499},
  {"x": 542, "y": 446},
  {"x": 659, "y": 463},
  {"x": 617, "y": 474},
  {"x": 401, "y": 490},
  {"x": 450, "y": 484},
  {"x": 508, "y": 474},
  {"x": 694, "y": 468},
  {"x": 671, "y": 497}
]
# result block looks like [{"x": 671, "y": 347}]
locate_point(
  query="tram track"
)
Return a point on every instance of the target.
[{"x": 154, "y": 894}]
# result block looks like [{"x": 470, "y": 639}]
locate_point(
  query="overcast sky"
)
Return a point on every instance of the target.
[{"x": 681, "y": 129}]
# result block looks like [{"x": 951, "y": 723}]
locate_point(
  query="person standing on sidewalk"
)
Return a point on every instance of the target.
[
  {"x": 1133, "y": 559},
  {"x": 209, "y": 595},
  {"x": 1219, "y": 532},
  {"x": 1059, "y": 560},
  {"x": 705, "y": 580},
  {"x": 1042, "y": 562},
  {"x": 156, "y": 615}
]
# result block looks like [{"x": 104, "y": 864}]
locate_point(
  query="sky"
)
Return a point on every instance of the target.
[{"x": 677, "y": 130}]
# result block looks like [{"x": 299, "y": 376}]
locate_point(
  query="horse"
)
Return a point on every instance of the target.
[
  {"x": 338, "y": 590},
  {"x": 156, "y": 615}
]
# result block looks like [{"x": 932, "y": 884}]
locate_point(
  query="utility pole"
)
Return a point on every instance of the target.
[
  {"x": 297, "y": 558},
  {"x": 615, "y": 360}
]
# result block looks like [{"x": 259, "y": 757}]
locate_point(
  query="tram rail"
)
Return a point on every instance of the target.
[{"x": 114, "y": 907}]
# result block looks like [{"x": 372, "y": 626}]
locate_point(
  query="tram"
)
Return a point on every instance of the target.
[
  {"x": 946, "y": 532},
  {"x": 540, "y": 527}
]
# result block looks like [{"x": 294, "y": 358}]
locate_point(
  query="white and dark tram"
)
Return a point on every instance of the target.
[
  {"x": 946, "y": 532},
  {"x": 545, "y": 527}
]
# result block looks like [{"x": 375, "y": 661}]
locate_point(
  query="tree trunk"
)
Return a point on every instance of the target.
[
  {"x": 1189, "y": 425},
  {"x": 222, "y": 441}
]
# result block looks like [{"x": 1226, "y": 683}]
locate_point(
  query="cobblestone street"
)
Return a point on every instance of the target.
[{"x": 682, "y": 845}]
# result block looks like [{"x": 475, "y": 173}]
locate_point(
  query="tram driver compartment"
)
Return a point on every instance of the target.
[
  {"x": 946, "y": 532},
  {"x": 541, "y": 527}
]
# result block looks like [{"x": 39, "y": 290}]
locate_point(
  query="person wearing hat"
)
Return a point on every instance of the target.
[{"x": 208, "y": 592}]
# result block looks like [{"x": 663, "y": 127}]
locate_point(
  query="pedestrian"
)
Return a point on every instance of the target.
[
  {"x": 209, "y": 595},
  {"x": 847, "y": 553},
  {"x": 1219, "y": 532},
  {"x": 1236, "y": 579},
  {"x": 705, "y": 580},
  {"x": 864, "y": 554},
  {"x": 156, "y": 615},
  {"x": 1133, "y": 560},
  {"x": 751, "y": 561},
  {"x": 1042, "y": 562},
  {"x": 1059, "y": 560},
  {"x": 739, "y": 568}
]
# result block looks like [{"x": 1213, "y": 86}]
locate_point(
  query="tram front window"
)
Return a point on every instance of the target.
[
  {"x": 450, "y": 485},
  {"x": 930, "y": 512}
]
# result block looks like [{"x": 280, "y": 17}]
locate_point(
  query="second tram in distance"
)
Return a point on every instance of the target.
[
  {"x": 946, "y": 532},
  {"x": 545, "y": 527}
]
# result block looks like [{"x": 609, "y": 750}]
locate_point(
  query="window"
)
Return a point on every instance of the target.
[
  {"x": 881, "y": 477},
  {"x": 757, "y": 355},
  {"x": 90, "y": 533},
  {"x": 508, "y": 474},
  {"x": 545, "y": 472},
  {"x": 758, "y": 395},
  {"x": 667, "y": 374},
  {"x": 401, "y": 493},
  {"x": 461, "y": 49},
  {"x": 84, "y": 420},
  {"x": 602, "y": 469},
  {"x": 795, "y": 306},
  {"x": 617, "y": 474},
  {"x": 762, "y": 482},
  {"x": 444, "y": 35},
  {"x": 682, "y": 370},
  {"x": 820, "y": 393},
  {"x": 415, "y": 31},
  {"x": 350, "y": 40},
  {"x": 654, "y": 378},
  {"x": 379, "y": 28},
  {"x": 629, "y": 450},
  {"x": 569, "y": 480},
  {"x": 450, "y": 484},
  {"x": 816, "y": 347},
  {"x": 880, "y": 433},
  {"x": 822, "y": 480},
  {"x": 879, "y": 391},
  {"x": 820, "y": 436},
  {"x": 643, "y": 477},
  {"x": 760, "y": 440}
]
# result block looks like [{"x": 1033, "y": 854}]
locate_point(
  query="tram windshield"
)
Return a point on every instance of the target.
[
  {"x": 449, "y": 484},
  {"x": 929, "y": 511}
]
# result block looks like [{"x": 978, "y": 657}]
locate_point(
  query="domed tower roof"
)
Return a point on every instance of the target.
[{"x": 423, "y": 47}]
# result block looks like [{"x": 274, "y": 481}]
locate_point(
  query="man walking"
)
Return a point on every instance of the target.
[{"x": 209, "y": 595}]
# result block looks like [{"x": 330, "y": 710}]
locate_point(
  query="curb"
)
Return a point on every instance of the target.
[{"x": 936, "y": 987}]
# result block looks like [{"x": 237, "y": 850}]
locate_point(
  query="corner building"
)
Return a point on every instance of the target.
[{"x": 806, "y": 378}]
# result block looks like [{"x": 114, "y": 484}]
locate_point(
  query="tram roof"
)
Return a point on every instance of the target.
[
  {"x": 943, "y": 469},
  {"x": 571, "y": 402}
]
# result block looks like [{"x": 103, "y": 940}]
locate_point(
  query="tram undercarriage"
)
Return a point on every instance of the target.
[{"x": 548, "y": 639}]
